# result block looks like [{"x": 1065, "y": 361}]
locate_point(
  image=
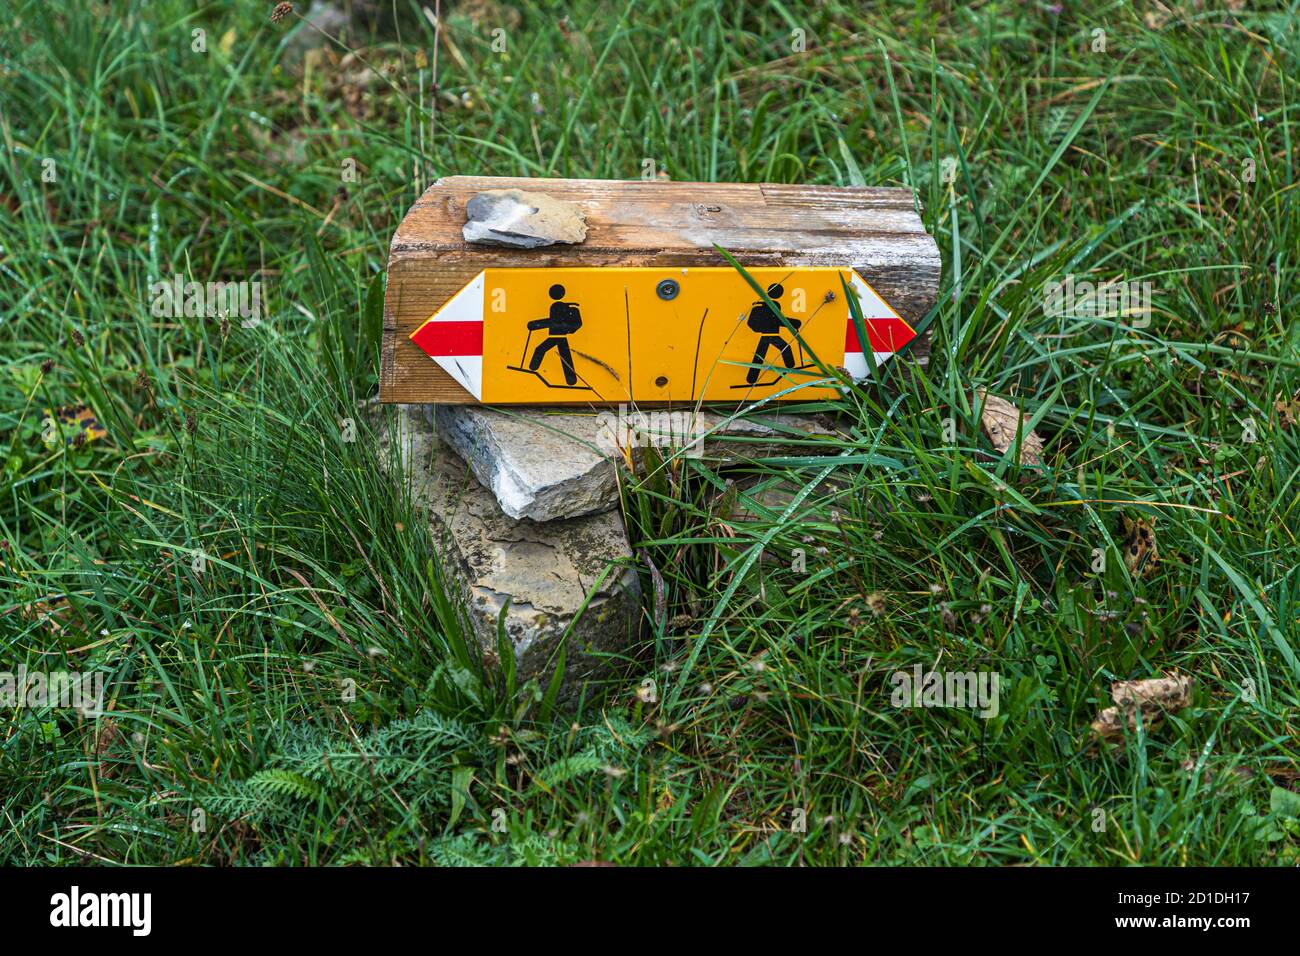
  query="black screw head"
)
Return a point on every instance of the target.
[{"x": 667, "y": 289}]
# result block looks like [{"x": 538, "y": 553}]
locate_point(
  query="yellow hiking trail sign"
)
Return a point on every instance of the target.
[{"x": 613, "y": 335}]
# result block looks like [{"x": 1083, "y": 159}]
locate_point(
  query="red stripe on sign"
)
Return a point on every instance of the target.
[
  {"x": 450, "y": 338},
  {"x": 886, "y": 335}
]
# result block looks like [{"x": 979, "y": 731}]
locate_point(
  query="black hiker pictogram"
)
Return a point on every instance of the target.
[
  {"x": 563, "y": 320},
  {"x": 768, "y": 325}
]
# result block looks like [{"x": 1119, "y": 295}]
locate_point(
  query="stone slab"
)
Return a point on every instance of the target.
[
  {"x": 543, "y": 465},
  {"x": 547, "y": 571}
]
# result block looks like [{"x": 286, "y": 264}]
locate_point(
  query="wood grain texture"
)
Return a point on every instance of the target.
[{"x": 632, "y": 223}]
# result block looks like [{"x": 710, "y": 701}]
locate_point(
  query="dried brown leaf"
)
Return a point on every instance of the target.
[
  {"x": 1000, "y": 421},
  {"x": 1288, "y": 411},
  {"x": 660, "y": 590},
  {"x": 1152, "y": 698},
  {"x": 1141, "y": 553}
]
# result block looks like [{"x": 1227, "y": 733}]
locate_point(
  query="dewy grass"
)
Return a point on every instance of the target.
[{"x": 287, "y": 677}]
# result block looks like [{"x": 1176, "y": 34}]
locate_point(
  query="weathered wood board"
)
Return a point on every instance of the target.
[{"x": 655, "y": 225}]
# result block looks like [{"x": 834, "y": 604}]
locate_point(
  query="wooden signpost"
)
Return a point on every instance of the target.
[{"x": 646, "y": 310}]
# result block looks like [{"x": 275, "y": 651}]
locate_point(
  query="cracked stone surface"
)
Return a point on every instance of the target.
[
  {"x": 541, "y": 467},
  {"x": 527, "y": 220},
  {"x": 546, "y": 570},
  {"x": 545, "y": 465}
]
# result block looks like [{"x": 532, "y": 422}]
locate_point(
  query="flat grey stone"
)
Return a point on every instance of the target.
[
  {"x": 538, "y": 466},
  {"x": 547, "y": 571},
  {"x": 543, "y": 465},
  {"x": 527, "y": 220}
]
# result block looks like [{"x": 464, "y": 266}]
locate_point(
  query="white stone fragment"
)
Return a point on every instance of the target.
[{"x": 513, "y": 217}]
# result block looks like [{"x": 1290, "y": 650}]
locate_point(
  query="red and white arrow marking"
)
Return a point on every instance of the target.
[
  {"x": 886, "y": 330},
  {"x": 453, "y": 337}
]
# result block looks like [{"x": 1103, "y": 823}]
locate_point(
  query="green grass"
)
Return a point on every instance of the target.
[{"x": 231, "y": 686}]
